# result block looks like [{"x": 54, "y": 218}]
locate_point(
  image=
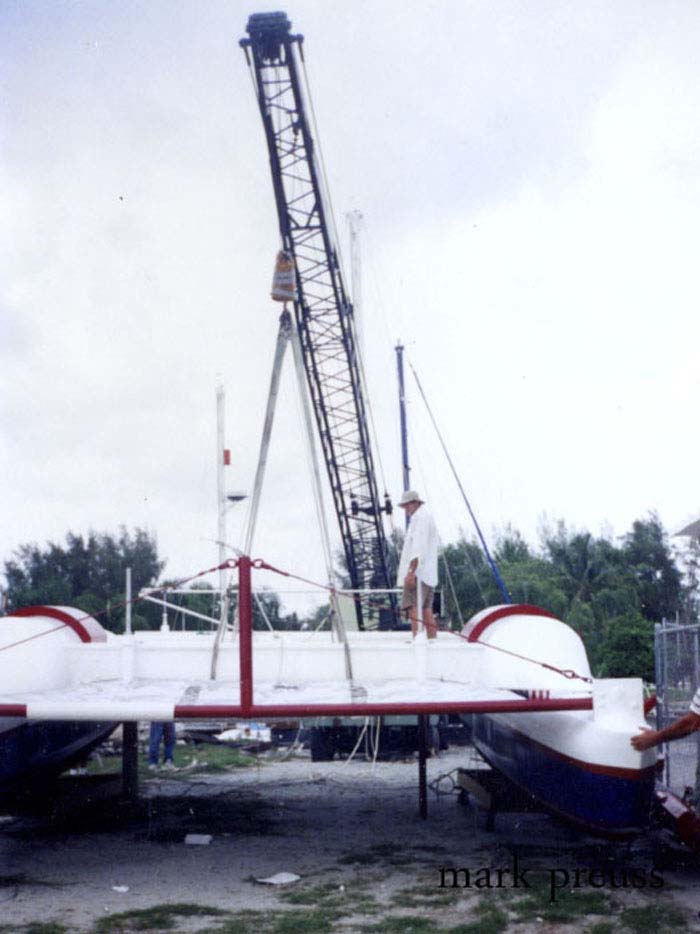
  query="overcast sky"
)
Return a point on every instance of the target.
[{"x": 529, "y": 177}]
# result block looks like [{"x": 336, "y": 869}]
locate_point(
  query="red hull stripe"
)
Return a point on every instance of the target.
[
  {"x": 13, "y": 710},
  {"x": 516, "y": 609},
  {"x": 185, "y": 712},
  {"x": 632, "y": 775},
  {"x": 54, "y": 613}
]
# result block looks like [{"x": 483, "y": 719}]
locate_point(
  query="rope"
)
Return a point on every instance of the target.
[
  {"x": 229, "y": 563},
  {"x": 434, "y": 785},
  {"x": 260, "y": 564},
  {"x": 568, "y": 673},
  {"x": 46, "y": 632}
]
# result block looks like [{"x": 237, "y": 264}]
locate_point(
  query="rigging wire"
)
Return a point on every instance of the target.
[
  {"x": 448, "y": 573},
  {"x": 492, "y": 563}
]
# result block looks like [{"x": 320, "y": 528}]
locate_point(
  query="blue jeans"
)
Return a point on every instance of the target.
[{"x": 166, "y": 732}]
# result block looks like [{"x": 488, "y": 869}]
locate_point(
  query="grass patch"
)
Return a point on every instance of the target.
[
  {"x": 654, "y": 917},
  {"x": 424, "y": 898},
  {"x": 194, "y": 760},
  {"x": 350, "y": 899},
  {"x": 570, "y": 904},
  {"x": 491, "y": 920},
  {"x": 318, "y": 921},
  {"x": 602, "y": 927},
  {"x": 44, "y": 927},
  {"x": 242, "y": 922},
  {"x": 315, "y": 895},
  {"x": 408, "y": 924},
  {"x": 157, "y": 918}
]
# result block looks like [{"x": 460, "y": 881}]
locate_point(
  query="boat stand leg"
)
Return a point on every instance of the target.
[
  {"x": 130, "y": 761},
  {"x": 422, "y": 757}
]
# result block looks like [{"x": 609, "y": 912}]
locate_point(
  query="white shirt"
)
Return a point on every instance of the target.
[
  {"x": 421, "y": 542},
  {"x": 695, "y": 703}
]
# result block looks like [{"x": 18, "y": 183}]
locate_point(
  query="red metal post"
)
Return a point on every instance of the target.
[{"x": 245, "y": 635}]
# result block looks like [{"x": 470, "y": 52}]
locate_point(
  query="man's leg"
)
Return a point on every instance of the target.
[
  {"x": 169, "y": 740},
  {"x": 154, "y": 742},
  {"x": 408, "y": 607},
  {"x": 425, "y": 602},
  {"x": 430, "y": 624}
]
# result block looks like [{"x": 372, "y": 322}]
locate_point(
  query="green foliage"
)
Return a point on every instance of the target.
[
  {"x": 267, "y": 606},
  {"x": 657, "y": 579},
  {"x": 627, "y": 648},
  {"x": 611, "y": 594},
  {"x": 658, "y": 918},
  {"x": 157, "y": 918},
  {"x": 87, "y": 573}
]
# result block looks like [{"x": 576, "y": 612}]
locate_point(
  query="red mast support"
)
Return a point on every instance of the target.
[{"x": 245, "y": 634}]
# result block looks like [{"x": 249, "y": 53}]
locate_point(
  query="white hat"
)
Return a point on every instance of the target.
[{"x": 410, "y": 496}]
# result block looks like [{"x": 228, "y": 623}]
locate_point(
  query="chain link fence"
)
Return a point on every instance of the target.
[{"x": 677, "y": 654}]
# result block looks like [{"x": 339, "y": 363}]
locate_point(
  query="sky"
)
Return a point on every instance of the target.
[{"x": 529, "y": 181}]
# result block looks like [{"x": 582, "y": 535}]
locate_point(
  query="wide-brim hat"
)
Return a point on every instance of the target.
[{"x": 410, "y": 496}]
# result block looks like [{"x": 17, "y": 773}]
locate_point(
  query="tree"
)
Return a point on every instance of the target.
[
  {"x": 690, "y": 595},
  {"x": 627, "y": 649},
  {"x": 88, "y": 573},
  {"x": 658, "y": 581}
]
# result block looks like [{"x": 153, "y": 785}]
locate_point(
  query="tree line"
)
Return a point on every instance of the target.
[{"x": 610, "y": 592}]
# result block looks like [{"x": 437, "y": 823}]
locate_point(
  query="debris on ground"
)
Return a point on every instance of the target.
[{"x": 280, "y": 878}]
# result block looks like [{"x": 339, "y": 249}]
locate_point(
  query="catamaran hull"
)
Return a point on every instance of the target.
[
  {"x": 578, "y": 765},
  {"x": 31, "y": 752},
  {"x": 607, "y": 801}
]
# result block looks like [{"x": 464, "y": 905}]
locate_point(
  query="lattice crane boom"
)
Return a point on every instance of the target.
[{"x": 323, "y": 313}]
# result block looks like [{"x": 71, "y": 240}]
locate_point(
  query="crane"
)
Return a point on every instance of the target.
[{"x": 323, "y": 314}]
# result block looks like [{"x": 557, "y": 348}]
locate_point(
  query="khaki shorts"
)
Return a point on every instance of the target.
[{"x": 409, "y": 597}]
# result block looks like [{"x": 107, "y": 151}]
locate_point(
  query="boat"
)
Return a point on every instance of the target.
[
  {"x": 539, "y": 717},
  {"x": 35, "y": 751},
  {"x": 578, "y": 765}
]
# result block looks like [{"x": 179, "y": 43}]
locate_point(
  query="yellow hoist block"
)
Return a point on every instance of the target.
[{"x": 284, "y": 281}]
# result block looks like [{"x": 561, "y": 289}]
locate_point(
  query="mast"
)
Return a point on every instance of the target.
[{"x": 402, "y": 416}]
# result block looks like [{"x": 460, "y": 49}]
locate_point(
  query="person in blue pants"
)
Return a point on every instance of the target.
[{"x": 165, "y": 731}]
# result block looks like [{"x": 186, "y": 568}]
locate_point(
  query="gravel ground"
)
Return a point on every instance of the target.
[{"x": 352, "y": 832}]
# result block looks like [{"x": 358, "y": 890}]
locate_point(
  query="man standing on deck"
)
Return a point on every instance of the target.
[{"x": 418, "y": 571}]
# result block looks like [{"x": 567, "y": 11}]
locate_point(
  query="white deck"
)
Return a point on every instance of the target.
[{"x": 147, "y": 675}]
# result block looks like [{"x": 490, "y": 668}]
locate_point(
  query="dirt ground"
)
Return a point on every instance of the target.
[{"x": 367, "y": 861}]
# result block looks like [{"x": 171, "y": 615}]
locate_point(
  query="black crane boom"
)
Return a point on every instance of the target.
[{"x": 323, "y": 313}]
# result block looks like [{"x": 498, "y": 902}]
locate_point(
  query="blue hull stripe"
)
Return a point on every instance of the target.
[{"x": 600, "y": 803}]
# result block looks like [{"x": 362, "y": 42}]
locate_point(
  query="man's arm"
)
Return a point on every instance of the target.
[{"x": 683, "y": 726}]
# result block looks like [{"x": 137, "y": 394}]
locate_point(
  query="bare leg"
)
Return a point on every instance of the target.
[{"x": 430, "y": 624}]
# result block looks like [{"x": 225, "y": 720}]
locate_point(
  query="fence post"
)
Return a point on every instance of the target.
[{"x": 665, "y": 698}]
